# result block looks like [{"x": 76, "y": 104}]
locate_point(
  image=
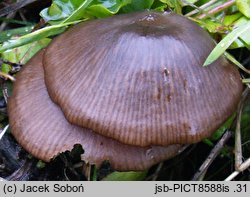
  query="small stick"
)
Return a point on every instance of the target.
[
  {"x": 7, "y": 76},
  {"x": 87, "y": 171},
  {"x": 242, "y": 167},
  {"x": 239, "y": 166},
  {"x": 24, "y": 172},
  {"x": 3, "y": 25},
  {"x": 213, "y": 154},
  {"x": 5, "y": 92},
  {"x": 195, "y": 11},
  {"x": 22, "y": 15},
  {"x": 157, "y": 171},
  {"x": 68, "y": 165},
  {"x": 217, "y": 9},
  {"x": 14, "y": 7},
  {"x": 232, "y": 176},
  {"x": 238, "y": 147},
  {"x": 204, "y": 12}
]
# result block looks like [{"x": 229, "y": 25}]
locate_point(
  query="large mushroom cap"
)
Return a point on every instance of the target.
[
  {"x": 40, "y": 127},
  {"x": 138, "y": 78}
]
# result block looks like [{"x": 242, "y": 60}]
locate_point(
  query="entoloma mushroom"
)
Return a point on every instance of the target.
[
  {"x": 49, "y": 133},
  {"x": 130, "y": 89}
]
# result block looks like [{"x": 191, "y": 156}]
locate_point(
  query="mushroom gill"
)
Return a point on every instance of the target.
[{"x": 40, "y": 127}]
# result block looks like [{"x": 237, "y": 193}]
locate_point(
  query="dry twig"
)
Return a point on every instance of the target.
[
  {"x": 14, "y": 7},
  {"x": 239, "y": 166},
  {"x": 216, "y": 9},
  {"x": 199, "y": 175},
  {"x": 204, "y": 6}
]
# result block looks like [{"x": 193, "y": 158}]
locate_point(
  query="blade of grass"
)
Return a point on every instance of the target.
[
  {"x": 233, "y": 60},
  {"x": 36, "y": 35},
  {"x": 10, "y": 20},
  {"x": 246, "y": 80},
  {"x": 245, "y": 44},
  {"x": 217, "y": 9},
  {"x": 6, "y": 35},
  {"x": 225, "y": 43},
  {"x": 195, "y": 11}
]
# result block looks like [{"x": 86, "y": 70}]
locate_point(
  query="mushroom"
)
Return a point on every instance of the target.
[
  {"x": 138, "y": 78},
  {"x": 41, "y": 128},
  {"x": 130, "y": 89}
]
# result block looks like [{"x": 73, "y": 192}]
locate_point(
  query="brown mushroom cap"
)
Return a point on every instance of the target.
[
  {"x": 40, "y": 127},
  {"x": 138, "y": 78}
]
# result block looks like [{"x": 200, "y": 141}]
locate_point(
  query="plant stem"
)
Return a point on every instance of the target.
[
  {"x": 213, "y": 154},
  {"x": 7, "y": 76},
  {"x": 204, "y": 6},
  {"x": 217, "y": 9}
]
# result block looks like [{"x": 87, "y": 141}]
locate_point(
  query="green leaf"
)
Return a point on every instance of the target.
[
  {"x": 53, "y": 13},
  {"x": 10, "y": 20},
  {"x": 174, "y": 5},
  {"x": 126, "y": 176},
  {"x": 225, "y": 43},
  {"x": 244, "y": 38},
  {"x": 23, "y": 53},
  {"x": 40, "y": 164},
  {"x": 137, "y": 5},
  {"x": 214, "y": 27},
  {"x": 229, "y": 19},
  {"x": 78, "y": 12},
  {"x": 63, "y": 11},
  {"x": 5, "y": 68},
  {"x": 219, "y": 132},
  {"x": 159, "y": 6},
  {"x": 233, "y": 60},
  {"x": 101, "y": 8},
  {"x": 6, "y": 35},
  {"x": 244, "y": 7},
  {"x": 34, "y": 36}
]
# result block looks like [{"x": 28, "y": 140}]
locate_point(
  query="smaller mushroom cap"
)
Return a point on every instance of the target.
[{"x": 40, "y": 127}]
